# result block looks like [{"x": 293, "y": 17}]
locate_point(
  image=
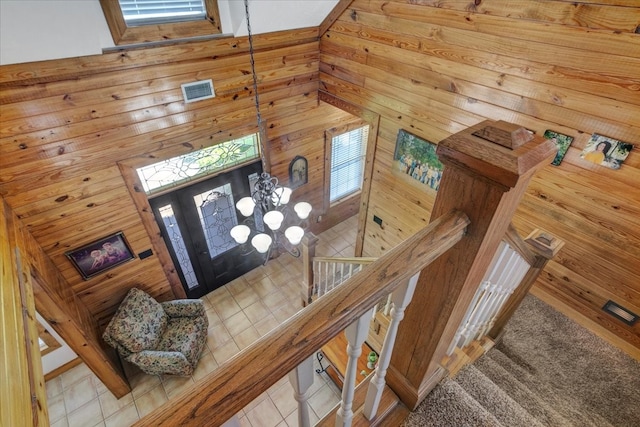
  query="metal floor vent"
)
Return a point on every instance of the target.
[
  {"x": 197, "y": 91},
  {"x": 620, "y": 312}
]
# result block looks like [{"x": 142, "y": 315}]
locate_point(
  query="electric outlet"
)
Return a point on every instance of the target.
[{"x": 319, "y": 218}]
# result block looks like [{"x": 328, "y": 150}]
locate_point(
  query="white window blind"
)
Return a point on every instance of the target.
[
  {"x": 142, "y": 12},
  {"x": 347, "y": 162}
]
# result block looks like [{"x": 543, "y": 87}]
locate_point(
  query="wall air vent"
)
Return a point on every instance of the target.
[
  {"x": 620, "y": 312},
  {"x": 197, "y": 91}
]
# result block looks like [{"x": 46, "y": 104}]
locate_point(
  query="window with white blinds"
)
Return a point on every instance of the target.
[
  {"x": 144, "y": 12},
  {"x": 348, "y": 152}
]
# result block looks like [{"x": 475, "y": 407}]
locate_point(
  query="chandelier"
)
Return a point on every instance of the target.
[{"x": 269, "y": 201}]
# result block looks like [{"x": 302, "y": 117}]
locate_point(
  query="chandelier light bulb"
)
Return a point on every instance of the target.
[
  {"x": 261, "y": 242},
  {"x": 303, "y": 209},
  {"x": 294, "y": 234},
  {"x": 281, "y": 196},
  {"x": 240, "y": 233},
  {"x": 245, "y": 206},
  {"x": 273, "y": 219}
]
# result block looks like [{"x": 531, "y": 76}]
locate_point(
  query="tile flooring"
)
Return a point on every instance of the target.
[{"x": 239, "y": 313}]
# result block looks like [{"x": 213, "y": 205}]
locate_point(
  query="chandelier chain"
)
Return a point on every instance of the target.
[{"x": 261, "y": 131}]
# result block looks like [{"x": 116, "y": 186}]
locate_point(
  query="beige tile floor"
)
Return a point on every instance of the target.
[{"x": 239, "y": 313}]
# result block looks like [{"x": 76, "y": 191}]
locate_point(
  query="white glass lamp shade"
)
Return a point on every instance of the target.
[
  {"x": 240, "y": 233},
  {"x": 281, "y": 196},
  {"x": 245, "y": 206},
  {"x": 294, "y": 234},
  {"x": 261, "y": 242},
  {"x": 273, "y": 219},
  {"x": 303, "y": 209}
]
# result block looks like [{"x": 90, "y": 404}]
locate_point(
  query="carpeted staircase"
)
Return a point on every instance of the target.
[{"x": 546, "y": 371}]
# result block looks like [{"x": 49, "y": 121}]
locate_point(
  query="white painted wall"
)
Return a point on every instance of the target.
[
  {"x": 37, "y": 30},
  {"x": 60, "y": 355}
]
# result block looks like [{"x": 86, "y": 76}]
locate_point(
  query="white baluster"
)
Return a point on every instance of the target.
[
  {"x": 387, "y": 306},
  {"x": 356, "y": 334},
  {"x": 401, "y": 299},
  {"x": 317, "y": 279},
  {"x": 326, "y": 274},
  {"x": 501, "y": 282},
  {"x": 465, "y": 328},
  {"x": 469, "y": 327},
  {"x": 521, "y": 267},
  {"x": 301, "y": 379}
]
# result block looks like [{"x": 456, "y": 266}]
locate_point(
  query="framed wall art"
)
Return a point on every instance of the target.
[
  {"x": 417, "y": 158},
  {"x": 298, "y": 172},
  {"x": 103, "y": 254},
  {"x": 562, "y": 142},
  {"x": 606, "y": 151}
]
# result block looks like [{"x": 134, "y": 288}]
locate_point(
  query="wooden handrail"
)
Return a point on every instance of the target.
[
  {"x": 513, "y": 238},
  {"x": 244, "y": 377}
]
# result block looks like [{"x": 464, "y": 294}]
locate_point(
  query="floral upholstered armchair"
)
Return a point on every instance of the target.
[{"x": 159, "y": 338}]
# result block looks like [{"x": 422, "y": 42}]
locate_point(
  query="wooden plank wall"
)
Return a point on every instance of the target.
[
  {"x": 21, "y": 381},
  {"x": 66, "y": 124},
  {"x": 436, "y": 67}
]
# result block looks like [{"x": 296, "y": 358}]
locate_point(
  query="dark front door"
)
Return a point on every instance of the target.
[{"x": 195, "y": 223}]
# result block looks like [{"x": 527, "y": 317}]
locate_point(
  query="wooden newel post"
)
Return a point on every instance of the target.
[
  {"x": 309, "y": 242},
  {"x": 487, "y": 170}
]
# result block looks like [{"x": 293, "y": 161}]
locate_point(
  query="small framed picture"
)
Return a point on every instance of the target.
[
  {"x": 298, "y": 172},
  {"x": 606, "y": 151},
  {"x": 562, "y": 142},
  {"x": 103, "y": 254}
]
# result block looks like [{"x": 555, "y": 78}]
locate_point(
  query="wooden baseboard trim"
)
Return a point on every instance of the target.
[{"x": 64, "y": 368}]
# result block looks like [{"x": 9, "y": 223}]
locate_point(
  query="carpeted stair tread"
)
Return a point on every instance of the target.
[
  {"x": 597, "y": 380},
  {"x": 506, "y": 410},
  {"x": 552, "y": 391},
  {"x": 552, "y": 368},
  {"x": 520, "y": 393},
  {"x": 449, "y": 405}
]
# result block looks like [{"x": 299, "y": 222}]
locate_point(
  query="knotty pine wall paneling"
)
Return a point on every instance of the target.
[
  {"x": 66, "y": 126},
  {"x": 435, "y": 68},
  {"x": 21, "y": 382}
]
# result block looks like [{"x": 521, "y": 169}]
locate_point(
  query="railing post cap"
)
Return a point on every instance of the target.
[{"x": 544, "y": 243}]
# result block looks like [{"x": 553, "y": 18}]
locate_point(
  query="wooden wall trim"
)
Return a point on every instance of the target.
[
  {"x": 373, "y": 119},
  {"x": 141, "y": 202},
  {"x": 335, "y": 13},
  {"x": 122, "y": 34},
  {"x": 21, "y": 380}
]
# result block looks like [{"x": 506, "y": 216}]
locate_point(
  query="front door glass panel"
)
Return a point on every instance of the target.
[{"x": 217, "y": 212}]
